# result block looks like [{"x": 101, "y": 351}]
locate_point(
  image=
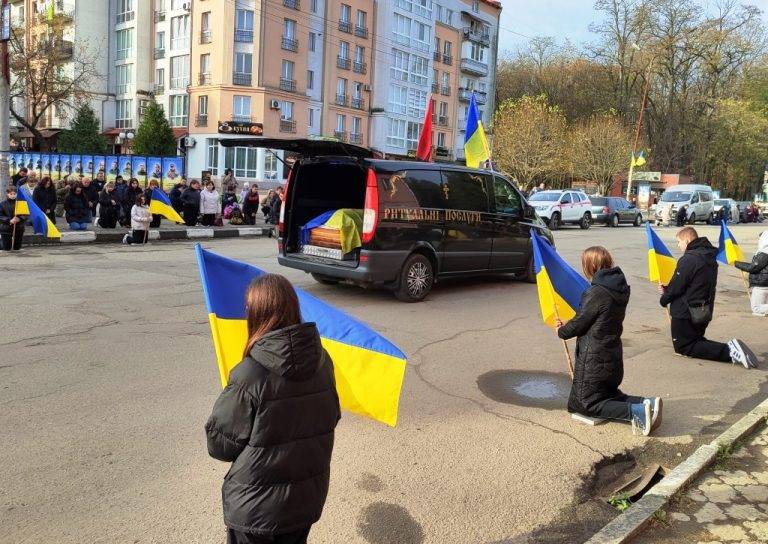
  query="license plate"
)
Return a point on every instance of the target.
[{"x": 325, "y": 252}]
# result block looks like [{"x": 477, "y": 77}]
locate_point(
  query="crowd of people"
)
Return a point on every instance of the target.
[{"x": 83, "y": 201}]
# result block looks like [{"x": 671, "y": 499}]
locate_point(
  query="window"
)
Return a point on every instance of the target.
[
  {"x": 160, "y": 77},
  {"x": 205, "y": 63},
  {"x": 241, "y": 108},
  {"x": 423, "y": 8},
  {"x": 396, "y": 134},
  {"x": 446, "y": 81},
  {"x": 124, "y": 43},
  {"x": 359, "y": 54},
  {"x": 344, "y": 50},
  {"x": 419, "y": 70},
  {"x": 310, "y": 80},
  {"x": 402, "y": 29},
  {"x": 313, "y": 6},
  {"x": 435, "y": 76},
  {"x": 361, "y": 19},
  {"x": 345, "y": 14},
  {"x": 244, "y": 25},
  {"x": 242, "y": 160},
  {"x": 243, "y": 63},
  {"x": 437, "y": 44},
  {"x": 270, "y": 165},
  {"x": 477, "y": 52},
  {"x": 413, "y": 130},
  {"x": 357, "y": 90},
  {"x": 124, "y": 114},
  {"x": 123, "y": 76},
  {"x": 441, "y": 139},
  {"x": 287, "y": 70},
  {"x": 312, "y": 39},
  {"x": 178, "y": 4},
  {"x": 444, "y": 15},
  {"x": 205, "y": 21},
  {"x": 124, "y": 11},
  {"x": 180, "y": 32},
  {"x": 465, "y": 191},
  {"x": 406, "y": 5},
  {"x": 447, "y": 48},
  {"x": 357, "y": 125},
  {"x": 506, "y": 198},
  {"x": 180, "y": 72},
  {"x": 286, "y": 110},
  {"x": 443, "y": 109},
  {"x": 400, "y": 65},
  {"x": 423, "y": 37},
  {"x": 289, "y": 29},
  {"x": 159, "y": 40},
  {"x": 476, "y": 6},
  {"x": 341, "y": 88},
  {"x": 566, "y": 198},
  {"x": 311, "y": 118},
  {"x": 202, "y": 105},
  {"x": 398, "y": 98},
  {"x": 212, "y": 155},
  {"x": 179, "y": 110},
  {"x": 341, "y": 121}
]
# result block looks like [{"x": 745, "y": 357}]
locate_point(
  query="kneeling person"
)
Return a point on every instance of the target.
[{"x": 599, "y": 354}]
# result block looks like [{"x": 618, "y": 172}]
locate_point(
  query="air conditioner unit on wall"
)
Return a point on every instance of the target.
[
  {"x": 367, "y": 88},
  {"x": 186, "y": 6},
  {"x": 274, "y": 104}
]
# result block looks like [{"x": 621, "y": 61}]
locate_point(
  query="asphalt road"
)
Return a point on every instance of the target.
[{"x": 107, "y": 375}]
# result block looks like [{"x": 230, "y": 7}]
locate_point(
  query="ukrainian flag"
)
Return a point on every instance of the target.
[
  {"x": 639, "y": 160},
  {"x": 40, "y": 222},
  {"x": 560, "y": 286},
  {"x": 369, "y": 369},
  {"x": 729, "y": 251},
  {"x": 661, "y": 263},
  {"x": 476, "y": 149},
  {"x": 161, "y": 205}
]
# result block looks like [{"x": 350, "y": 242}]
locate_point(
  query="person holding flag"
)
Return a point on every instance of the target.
[
  {"x": 598, "y": 326},
  {"x": 758, "y": 276},
  {"x": 11, "y": 222},
  {"x": 476, "y": 150}
]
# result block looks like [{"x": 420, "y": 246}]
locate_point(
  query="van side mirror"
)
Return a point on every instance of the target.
[{"x": 529, "y": 213}]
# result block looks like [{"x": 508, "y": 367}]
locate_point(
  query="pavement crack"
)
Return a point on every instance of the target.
[{"x": 45, "y": 338}]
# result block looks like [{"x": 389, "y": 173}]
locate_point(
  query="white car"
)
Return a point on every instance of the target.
[
  {"x": 559, "y": 207},
  {"x": 720, "y": 202}
]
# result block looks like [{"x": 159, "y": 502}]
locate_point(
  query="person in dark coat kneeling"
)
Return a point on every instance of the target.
[
  {"x": 599, "y": 354},
  {"x": 275, "y": 422}
]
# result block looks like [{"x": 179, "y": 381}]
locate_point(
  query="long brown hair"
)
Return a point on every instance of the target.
[
  {"x": 270, "y": 304},
  {"x": 595, "y": 258}
]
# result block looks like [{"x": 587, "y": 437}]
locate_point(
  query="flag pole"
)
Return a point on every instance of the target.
[
  {"x": 565, "y": 346},
  {"x": 13, "y": 237}
]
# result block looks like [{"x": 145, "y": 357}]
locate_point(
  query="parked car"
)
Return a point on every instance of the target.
[
  {"x": 720, "y": 202},
  {"x": 563, "y": 207},
  {"x": 698, "y": 198},
  {"x": 614, "y": 210},
  {"x": 421, "y": 221}
]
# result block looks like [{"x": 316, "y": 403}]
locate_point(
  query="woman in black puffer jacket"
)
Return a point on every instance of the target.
[
  {"x": 275, "y": 422},
  {"x": 758, "y": 277},
  {"x": 44, "y": 196},
  {"x": 599, "y": 369}
]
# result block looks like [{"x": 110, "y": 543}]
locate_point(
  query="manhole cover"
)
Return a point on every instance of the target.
[{"x": 524, "y": 388}]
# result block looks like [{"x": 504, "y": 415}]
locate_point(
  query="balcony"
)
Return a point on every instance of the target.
[
  {"x": 125, "y": 17},
  {"x": 201, "y": 120},
  {"x": 292, "y": 4},
  {"x": 443, "y": 153},
  {"x": 341, "y": 99},
  {"x": 436, "y": 56},
  {"x": 359, "y": 67},
  {"x": 343, "y": 62},
  {"x": 204, "y": 78},
  {"x": 477, "y": 36},
  {"x": 358, "y": 103},
  {"x": 447, "y": 59},
  {"x": 242, "y": 78},
  {"x": 205, "y": 36},
  {"x": 287, "y": 125},
  {"x": 340, "y": 135},
  {"x": 241, "y": 118},
  {"x": 159, "y": 16},
  {"x": 345, "y": 26},
  {"x": 159, "y": 89},
  {"x": 474, "y": 67},
  {"x": 159, "y": 53},
  {"x": 288, "y": 85},
  {"x": 465, "y": 95},
  {"x": 290, "y": 44},
  {"x": 244, "y": 36},
  {"x": 445, "y": 90},
  {"x": 355, "y": 138},
  {"x": 64, "y": 49},
  {"x": 62, "y": 11},
  {"x": 361, "y": 31}
]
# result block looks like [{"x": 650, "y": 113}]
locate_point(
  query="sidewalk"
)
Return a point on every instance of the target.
[{"x": 728, "y": 503}]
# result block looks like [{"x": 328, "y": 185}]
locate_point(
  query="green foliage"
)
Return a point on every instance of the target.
[
  {"x": 154, "y": 135},
  {"x": 84, "y": 135},
  {"x": 620, "y": 503}
]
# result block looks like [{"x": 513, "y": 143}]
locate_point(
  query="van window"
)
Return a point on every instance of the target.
[
  {"x": 675, "y": 196},
  {"x": 413, "y": 188},
  {"x": 465, "y": 191},
  {"x": 705, "y": 196},
  {"x": 506, "y": 198}
]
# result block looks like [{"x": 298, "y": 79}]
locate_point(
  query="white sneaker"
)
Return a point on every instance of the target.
[
  {"x": 738, "y": 351},
  {"x": 125, "y": 239},
  {"x": 658, "y": 406},
  {"x": 643, "y": 427}
]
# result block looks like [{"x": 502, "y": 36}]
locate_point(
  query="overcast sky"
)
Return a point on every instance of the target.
[{"x": 562, "y": 19}]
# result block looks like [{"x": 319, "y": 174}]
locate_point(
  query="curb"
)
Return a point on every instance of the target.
[
  {"x": 89, "y": 236},
  {"x": 628, "y": 524}
]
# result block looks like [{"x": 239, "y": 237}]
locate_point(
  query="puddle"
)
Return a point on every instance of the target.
[{"x": 524, "y": 388}]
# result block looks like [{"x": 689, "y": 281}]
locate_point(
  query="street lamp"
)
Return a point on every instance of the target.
[{"x": 643, "y": 102}]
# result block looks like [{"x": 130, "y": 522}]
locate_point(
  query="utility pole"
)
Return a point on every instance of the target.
[{"x": 5, "y": 98}]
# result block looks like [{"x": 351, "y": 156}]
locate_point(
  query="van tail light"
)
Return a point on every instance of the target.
[
  {"x": 281, "y": 223},
  {"x": 605, "y": 209},
  {"x": 371, "y": 212}
]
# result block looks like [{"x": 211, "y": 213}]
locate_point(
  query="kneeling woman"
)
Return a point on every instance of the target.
[
  {"x": 275, "y": 422},
  {"x": 599, "y": 357}
]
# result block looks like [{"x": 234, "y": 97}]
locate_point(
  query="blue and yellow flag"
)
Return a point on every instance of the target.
[
  {"x": 661, "y": 263},
  {"x": 729, "y": 251},
  {"x": 161, "y": 205},
  {"x": 40, "y": 222},
  {"x": 639, "y": 160},
  {"x": 476, "y": 149},
  {"x": 560, "y": 286},
  {"x": 369, "y": 369}
]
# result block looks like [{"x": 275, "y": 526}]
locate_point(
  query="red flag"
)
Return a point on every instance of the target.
[{"x": 424, "y": 151}]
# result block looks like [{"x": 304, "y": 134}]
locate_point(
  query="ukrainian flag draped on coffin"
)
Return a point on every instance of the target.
[
  {"x": 40, "y": 222},
  {"x": 369, "y": 369},
  {"x": 729, "y": 251},
  {"x": 476, "y": 149},
  {"x": 161, "y": 205},
  {"x": 560, "y": 286},
  {"x": 661, "y": 263}
]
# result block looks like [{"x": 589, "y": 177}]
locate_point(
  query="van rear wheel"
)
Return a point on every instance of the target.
[
  {"x": 554, "y": 221},
  {"x": 416, "y": 279},
  {"x": 325, "y": 280}
]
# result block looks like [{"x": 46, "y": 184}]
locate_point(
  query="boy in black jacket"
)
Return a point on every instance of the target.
[
  {"x": 691, "y": 297},
  {"x": 11, "y": 225}
]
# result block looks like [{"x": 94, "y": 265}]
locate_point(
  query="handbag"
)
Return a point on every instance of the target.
[{"x": 701, "y": 312}]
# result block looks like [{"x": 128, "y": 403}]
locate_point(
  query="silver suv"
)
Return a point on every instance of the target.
[{"x": 559, "y": 207}]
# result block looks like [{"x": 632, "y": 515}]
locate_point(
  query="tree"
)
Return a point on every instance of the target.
[
  {"x": 529, "y": 140},
  {"x": 600, "y": 149},
  {"x": 154, "y": 135},
  {"x": 83, "y": 135},
  {"x": 48, "y": 74}
]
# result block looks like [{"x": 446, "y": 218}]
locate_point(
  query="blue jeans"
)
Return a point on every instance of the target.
[{"x": 78, "y": 226}]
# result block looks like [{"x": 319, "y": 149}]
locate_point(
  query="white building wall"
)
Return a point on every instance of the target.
[{"x": 316, "y": 63}]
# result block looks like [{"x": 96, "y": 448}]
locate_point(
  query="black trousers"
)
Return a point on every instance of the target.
[
  {"x": 617, "y": 407},
  {"x": 190, "y": 215},
  {"x": 688, "y": 339},
  {"x": 156, "y": 218},
  {"x": 297, "y": 537},
  {"x": 137, "y": 237},
  {"x": 7, "y": 238},
  {"x": 208, "y": 219}
]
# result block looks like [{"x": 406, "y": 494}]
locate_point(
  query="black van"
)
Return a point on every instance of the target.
[{"x": 421, "y": 221}]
